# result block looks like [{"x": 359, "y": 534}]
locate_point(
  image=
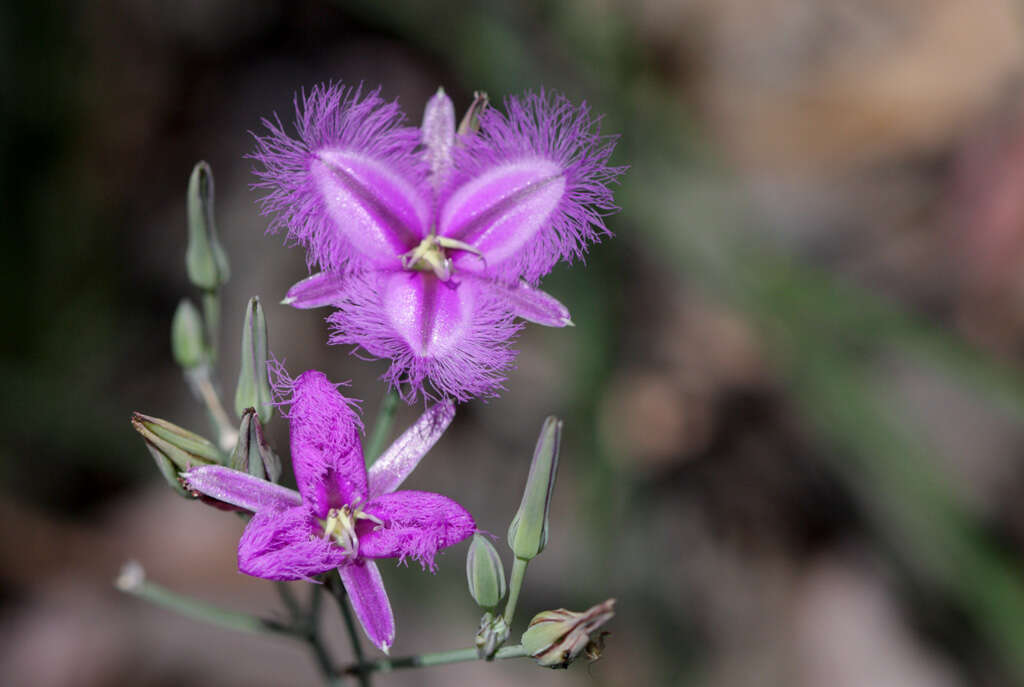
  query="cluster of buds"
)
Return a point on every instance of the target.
[
  {"x": 553, "y": 638},
  {"x": 193, "y": 343}
]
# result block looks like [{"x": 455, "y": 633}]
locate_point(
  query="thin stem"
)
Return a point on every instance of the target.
[
  {"x": 290, "y": 602},
  {"x": 202, "y": 386},
  {"x": 381, "y": 427},
  {"x": 337, "y": 588},
  {"x": 132, "y": 581},
  {"x": 211, "y": 316},
  {"x": 436, "y": 658},
  {"x": 515, "y": 584},
  {"x": 312, "y": 629}
]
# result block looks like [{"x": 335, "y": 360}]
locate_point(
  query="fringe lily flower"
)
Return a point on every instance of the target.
[
  {"x": 342, "y": 516},
  {"x": 430, "y": 244}
]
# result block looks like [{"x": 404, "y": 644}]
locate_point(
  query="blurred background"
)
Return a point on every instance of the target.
[{"x": 794, "y": 397}]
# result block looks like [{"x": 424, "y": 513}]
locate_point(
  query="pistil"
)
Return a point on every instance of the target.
[
  {"x": 431, "y": 255},
  {"x": 341, "y": 526}
]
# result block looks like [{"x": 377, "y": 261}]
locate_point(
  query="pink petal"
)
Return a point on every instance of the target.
[
  {"x": 417, "y": 524},
  {"x": 430, "y": 315},
  {"x": 377, "y": 211},
  {"x": 402, "y": 457},
  {"x": 438, "y": 133},
  {"x": 286, "y": 545},
  {"x": 322, "y": 288},
  {"x": 501, "y": 210},
  {"x": 379, "y": 313},
  {"x": 370, "y": 601},
  {"x": 539, "y": 137},
  {"x": 327, "y": 453},
  {"x": 532, "y": 304},
  {"x": 240, "y": 489},
  {"x": 306, "y": 198}
]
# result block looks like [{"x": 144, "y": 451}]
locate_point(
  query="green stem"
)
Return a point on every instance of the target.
[
  {"x": 290, "y": 602},
  {"x": 515, "y": 584},
  {"x": 132, "y": 581},
  {"x": 201, "y": 383},
  {"x": 211, "y": 317},
  {"x": 312, "y": 629},
  {"x": 382, "y": 427},
  {"x": 436, "y": 658},
  {"x": 337, "y": 588}
]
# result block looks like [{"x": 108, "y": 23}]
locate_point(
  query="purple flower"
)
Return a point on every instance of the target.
[
  {"x": 341, "y": 517},
  {"x": 431, "y": 244}
]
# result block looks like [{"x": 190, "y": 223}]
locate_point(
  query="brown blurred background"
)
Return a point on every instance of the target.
[{"x": 794, "y": 397}]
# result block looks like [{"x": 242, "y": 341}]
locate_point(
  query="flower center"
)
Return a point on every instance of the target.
[
  {"x": 340, "y": 525},
  {"x": 431, "y": 255}
]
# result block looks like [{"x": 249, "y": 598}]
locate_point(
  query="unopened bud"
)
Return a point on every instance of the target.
[
  {"x": 492, "y": 634},
  {"x": 173, "y": 448},
  {"x": 470, "y": 123},
  {"x": 187, "y": 343},
  {"x": 528, "y": 533},
  {"x": 485, "y": 573},
  {"x": 252, "y": 452},
  {"x": 556, "y": 638},
  {"x": 205, "y": 260},
  {"x": 253, "y": 390}
]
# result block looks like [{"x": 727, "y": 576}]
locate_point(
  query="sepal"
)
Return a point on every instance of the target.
[
  {"x": 253, "y": 390},
  {"x": 528, "y": 533},
  {"x": 205, "y": 259},
  {"x": 485, "y": 573},
  {"x": 556, "y": 638},
  {"x": 174, "y": 449},
  {"x": 252, "y": 454},
  {"x": 187, "y": 341}
]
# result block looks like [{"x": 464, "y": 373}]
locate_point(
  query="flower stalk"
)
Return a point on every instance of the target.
[
  {"x": 382, "y": 427},
  {"x": 132, "y": 580}
]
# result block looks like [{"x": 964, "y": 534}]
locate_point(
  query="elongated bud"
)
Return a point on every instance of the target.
[
  {"x": 556, "y": 638},
  {"x": 187, "y": 336},
  {"x": 470, "y": 123},
  {"x": 252, "y": 452},
  {"x": 205, "y": 260},
  {"x": 253, "y": 389},
  {"x": 174, "y": 448},
  {"x": 528, "y": 533},
  {"x": 485, "y": 573}
]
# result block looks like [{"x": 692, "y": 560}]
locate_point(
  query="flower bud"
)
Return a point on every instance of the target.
[
  {"x": 205, "y": 260},
  {"x": 556, "y": 638},
  {"x": 528, "y": 533},
  {"x": 252, "y": 452},
  {"x": 253, "y": 390},
  {"x": 485, "y": 573},
  {"x": 470, "y": 123},
  {"x": 187, "y": 343},
  {"x": 173, "y": 448},
  {"x": 492, "y": 634}
]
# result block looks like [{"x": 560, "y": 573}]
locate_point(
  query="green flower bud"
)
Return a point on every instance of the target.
[
  {"x": 492, "y": 634},
  {"x": 174, "y": 448},
  {"x": 485, "y": 573},
  {"x": 470, "y": 123},
  {"x": 187, "y": 343},
  {"x": 528, "y": 533},
  {"x": 252, "y": 452},
  {"x": 205, "y": 260},
  {"x": 253, "y": 390},
  {"x": 556, "y": 638}
]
